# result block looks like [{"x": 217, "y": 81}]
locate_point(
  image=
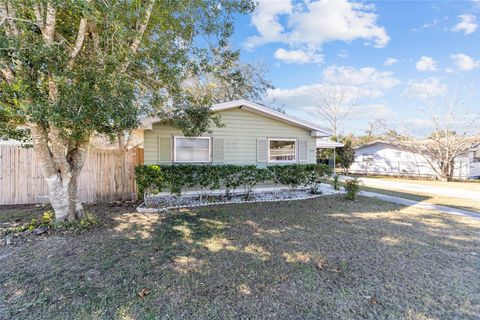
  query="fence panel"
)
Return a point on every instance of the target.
[{"x": 107, "y": 176}]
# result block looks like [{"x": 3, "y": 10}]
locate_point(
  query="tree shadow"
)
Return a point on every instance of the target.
[{"x": 325, "y": 257}]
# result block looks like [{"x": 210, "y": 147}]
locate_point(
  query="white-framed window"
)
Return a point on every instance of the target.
[
  {"x": 282, "y": 150},
  {"x": 398, "y": 154},
  {"x": 367, "y": 157},
  {"x": 192, "y": 149}
]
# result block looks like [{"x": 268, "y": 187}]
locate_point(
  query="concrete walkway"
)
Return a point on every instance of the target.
[
  {"x": 422, "y": 205},
  {"x": 424, "y": 189}
]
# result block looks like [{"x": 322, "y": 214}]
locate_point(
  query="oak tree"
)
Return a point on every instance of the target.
[{"x": 73, "y": 68}]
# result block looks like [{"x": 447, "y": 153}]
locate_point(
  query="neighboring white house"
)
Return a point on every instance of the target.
[
  {"x": 474, "y": 159},
  {"x": 384, "y": 158}
]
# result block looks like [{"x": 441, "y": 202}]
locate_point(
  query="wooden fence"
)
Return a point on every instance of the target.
[{"x": 22, "y": 182}]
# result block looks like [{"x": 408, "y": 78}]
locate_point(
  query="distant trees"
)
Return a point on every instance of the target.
[
  {"x": 450, "y": 138},
  {"x": 335, "y": 103}
]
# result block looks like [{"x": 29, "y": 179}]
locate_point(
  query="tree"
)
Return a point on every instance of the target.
[
  {"x": 71, "y": 69},
  {"x": 346, "y": 155},
  {"x": 374, "y": 129},
  {"x": 450, "y": 137},
  {"x": 335, "y": 103},
  {"x": 230, "y": 79}
]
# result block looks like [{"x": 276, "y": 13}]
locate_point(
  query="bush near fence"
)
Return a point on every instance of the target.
[{"x": 179, "y": 178}]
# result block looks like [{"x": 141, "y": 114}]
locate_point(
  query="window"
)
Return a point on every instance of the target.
[
  {"x": 476, "y": 156},
  {"x": 282, "y": 150},
  {"x": 192, "y": 149},
  {"x": 398, "y": 154},
  {"x": 367, "y": 157}
]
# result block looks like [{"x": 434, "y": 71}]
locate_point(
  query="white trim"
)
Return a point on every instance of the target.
[
  {"x": 183, "y": 137},
  {"x": 282, "y": 161},
  {"x": 328, "y": 144}
]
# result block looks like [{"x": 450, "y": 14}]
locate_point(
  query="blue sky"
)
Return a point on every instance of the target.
[{"x": 396, "y": 56}]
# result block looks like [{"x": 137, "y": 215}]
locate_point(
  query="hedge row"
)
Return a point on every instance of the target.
[{"x": 204, "y": 178}]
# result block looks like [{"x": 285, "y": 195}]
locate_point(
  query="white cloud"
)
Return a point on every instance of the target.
[
  {"x": 266, "y": 20},
  {"x": 424, "y": 89},
  {"x": 363, "y": 83},
  {"x": 297, "y": 56},
  {"x": 464, "y": 62},
  {"x": 307, "y": 26},
  {"x": 426, "y": 64},
  {"x": 390, "y": 62},
  {"x": 366, "y": 77},
  {"x": 467, "y": 24},
  {"x": 375, "y": 110}
]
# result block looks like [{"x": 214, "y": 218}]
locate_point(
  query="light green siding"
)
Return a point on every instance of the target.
[{"x": 239, "y": 134}]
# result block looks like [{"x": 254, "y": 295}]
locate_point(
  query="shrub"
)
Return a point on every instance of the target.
[
  {"x": 47, "y": 220},
  {"x": 292, "y": 175},
  {"x": 336, "y": 184},
  {"x": 149, "y": 179},
  {"x": 206, "y": 177},
  {"x": 352, "y": 187},
  {"x": 231, "y": 178},
  {"x": 313, "y": 174}
]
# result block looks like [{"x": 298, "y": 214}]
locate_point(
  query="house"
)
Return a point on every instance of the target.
[
  {"x": 387, "y": 158},
  {"x": 251, "y": 134},
  {"x": 474, "y": 160}
]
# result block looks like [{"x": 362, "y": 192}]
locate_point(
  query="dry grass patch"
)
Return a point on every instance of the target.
[
  {"x": 323, "y": 258},
  {"x": 460, "y": 203}
]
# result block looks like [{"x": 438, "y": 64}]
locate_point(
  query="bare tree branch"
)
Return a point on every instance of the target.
[
  {"x": 82, "y": 29},
  {"x": 448, "y": 140},
  {"x": 335, "y": 103},
  {"x": 140, "y": 32}
]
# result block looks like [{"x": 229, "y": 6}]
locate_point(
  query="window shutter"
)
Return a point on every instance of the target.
[
  {"x": 262, "y": 151},
  {"x": 164, "y": 149},
  {"x": 217, "y": 150},
  {"x": 302, "y": 150}
]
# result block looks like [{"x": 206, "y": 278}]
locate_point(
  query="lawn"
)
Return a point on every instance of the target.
[
  {"x": 473, "y": 185},
  {"x": 323, "y": 258},
  {"x": 460, "y": 203}
]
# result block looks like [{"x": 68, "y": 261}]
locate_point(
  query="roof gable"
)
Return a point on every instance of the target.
[
  {"x": 257, "y": 108},
  {"x": 147, "y": 124}
]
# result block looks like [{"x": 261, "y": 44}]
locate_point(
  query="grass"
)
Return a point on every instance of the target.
[
  {"x": 460, "y": 203},
  {"x": 469, "y": 185},
  {"x": 323, "y": 258}
]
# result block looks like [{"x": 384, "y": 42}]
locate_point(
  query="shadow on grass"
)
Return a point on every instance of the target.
[{"x": 326, "y": 258}]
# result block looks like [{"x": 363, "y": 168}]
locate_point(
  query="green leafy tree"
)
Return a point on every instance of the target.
[
  {"x": 73, "y": 68},
  {"x": 346, "y": 155}
]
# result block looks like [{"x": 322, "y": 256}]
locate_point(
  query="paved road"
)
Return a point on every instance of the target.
[
  {"x": 422, "y": 205},
  {"x": 425, "y": 189}
]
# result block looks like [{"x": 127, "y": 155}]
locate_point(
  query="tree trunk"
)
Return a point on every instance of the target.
[
  {"x": 446, "y": 171},
  {"x": 61, "y": 161},
  {"x": 63, "y": 193}
]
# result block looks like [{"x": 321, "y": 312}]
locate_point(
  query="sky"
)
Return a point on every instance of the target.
[{"x": 396, "y": 58}]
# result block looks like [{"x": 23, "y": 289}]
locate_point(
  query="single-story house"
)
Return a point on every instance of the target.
[
  {"x": 474, "y": 160},
  {"x": 251, "y": 134},
  {"x": 387, "y": 158}
]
